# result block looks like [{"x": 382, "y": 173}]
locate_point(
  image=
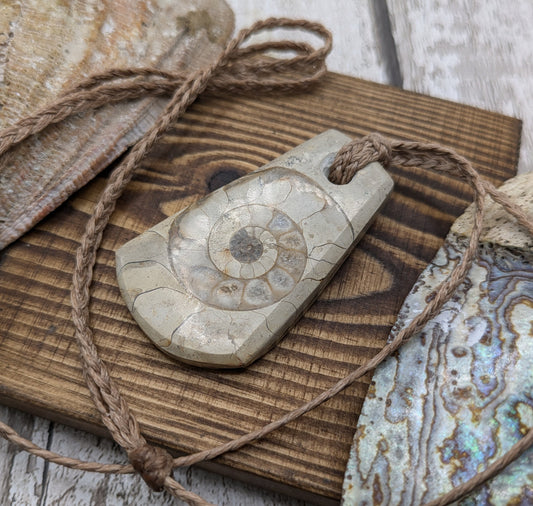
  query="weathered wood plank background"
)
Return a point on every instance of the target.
[{"x": 475, "y": 52}]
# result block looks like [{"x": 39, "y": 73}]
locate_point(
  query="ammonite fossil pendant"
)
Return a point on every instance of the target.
[{"x": 219, "y": 283}]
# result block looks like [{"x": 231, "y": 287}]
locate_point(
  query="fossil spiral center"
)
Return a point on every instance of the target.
[
  {"x": 244, "y": 246},
  {"x": 250, "y": 257}
]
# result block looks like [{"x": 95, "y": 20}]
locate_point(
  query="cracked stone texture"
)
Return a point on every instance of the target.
[{"x": 219, "y": 283}]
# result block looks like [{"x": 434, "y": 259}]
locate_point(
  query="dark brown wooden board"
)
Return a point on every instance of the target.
[{"x": 188, "y": 409}]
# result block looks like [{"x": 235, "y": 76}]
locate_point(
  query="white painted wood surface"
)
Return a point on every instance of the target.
[{"x": 473, "y": 52}]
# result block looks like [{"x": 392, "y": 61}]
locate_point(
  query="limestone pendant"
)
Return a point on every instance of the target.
[{"x": 219, "y": 283}]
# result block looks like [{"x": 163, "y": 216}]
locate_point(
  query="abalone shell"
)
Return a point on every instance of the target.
[{"x": 458, "y": 395}]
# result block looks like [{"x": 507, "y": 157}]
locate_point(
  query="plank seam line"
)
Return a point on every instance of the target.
[
  {"x": 46, "y": 467},
  {"x": 385, "y": 39}
]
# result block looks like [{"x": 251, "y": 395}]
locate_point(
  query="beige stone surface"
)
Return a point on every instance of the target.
[{"x": 219, "y": 283}]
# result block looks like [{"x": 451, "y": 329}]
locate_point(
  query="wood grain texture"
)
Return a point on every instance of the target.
[
  {"x": 188, "y": 409},
  {"x": 69, "y": 487},
  {"x": 475, "y": 52},
  {"x": 47, "y": 47},
  {"x": 26, "y": 480}
]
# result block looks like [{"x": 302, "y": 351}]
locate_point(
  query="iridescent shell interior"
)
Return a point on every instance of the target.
[{"x": 457, "y": 395}]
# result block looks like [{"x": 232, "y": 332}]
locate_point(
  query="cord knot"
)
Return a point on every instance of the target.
[
  {"x": 153, "y": 464},
  {"x": 357, "y": 154}
]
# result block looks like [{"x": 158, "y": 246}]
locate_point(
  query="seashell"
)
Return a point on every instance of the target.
[
  {"x": 219, "y": 283},
  {"x": 457, "y": 396},
  {"x": 47, "y": 46}
]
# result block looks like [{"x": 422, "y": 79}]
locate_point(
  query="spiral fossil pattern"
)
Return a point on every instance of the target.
[
  {"x": 252, "y": 254},
  {"x": 219, "y": 283}
]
